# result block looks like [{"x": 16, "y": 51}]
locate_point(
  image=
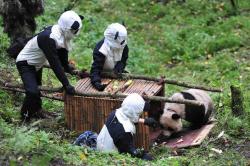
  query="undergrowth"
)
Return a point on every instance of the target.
[{"x": 200, "y": 41}]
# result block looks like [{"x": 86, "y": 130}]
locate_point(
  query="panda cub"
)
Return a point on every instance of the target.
[{"x": 196, "y": 115}]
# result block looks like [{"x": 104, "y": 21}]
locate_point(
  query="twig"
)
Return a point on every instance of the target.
[{"x": 23, "y": 91}]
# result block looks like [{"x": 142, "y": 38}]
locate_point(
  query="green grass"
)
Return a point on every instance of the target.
[{"x": 201, "y": 42}]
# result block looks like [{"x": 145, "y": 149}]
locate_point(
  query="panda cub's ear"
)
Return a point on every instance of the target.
[
  {"x": 81, "y": 17},
  {"x": 176, "y": 116}
]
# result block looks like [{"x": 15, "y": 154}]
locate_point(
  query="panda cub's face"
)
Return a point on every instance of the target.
[{"x": 170, "y": 120}]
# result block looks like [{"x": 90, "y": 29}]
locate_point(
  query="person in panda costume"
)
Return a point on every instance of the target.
[
  {"x": 119, "y": 129},
  {"x": 49, "y": 46},
  {"x": 110, "y": 54},
  {"x": 170, "y": 120}
]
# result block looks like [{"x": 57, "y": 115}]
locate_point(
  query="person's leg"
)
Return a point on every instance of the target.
[{"x": 32, "y": 101}]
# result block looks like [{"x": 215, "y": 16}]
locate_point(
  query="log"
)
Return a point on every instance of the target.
[
  {"x": 154, "y": 98},
  {"x": 166, "y": 81},
  {"x": 105, "y": 94},
  {"x": 236, "y": 101}
]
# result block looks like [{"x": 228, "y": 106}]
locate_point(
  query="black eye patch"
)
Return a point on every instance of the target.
[
  {"x": 116, "y": 35},
  {"x": 75, "y": 25},
  {"x": 122, "y": 42}
]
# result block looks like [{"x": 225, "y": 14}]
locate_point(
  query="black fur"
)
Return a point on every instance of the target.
[{"x": 194, "y": 114}]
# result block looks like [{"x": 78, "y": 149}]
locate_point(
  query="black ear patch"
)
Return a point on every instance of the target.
[
  {"x": 75, "y": 25},
  {"x": 81, "y": 17},
  {"x": 123, "y": 23},
  {"x": 116, "y": 35},
  {"x": 176, "y": 116},
  {"x": 188, "y": 96}
]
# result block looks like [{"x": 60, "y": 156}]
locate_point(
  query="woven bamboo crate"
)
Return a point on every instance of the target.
[{"x": 90, "y": 113}]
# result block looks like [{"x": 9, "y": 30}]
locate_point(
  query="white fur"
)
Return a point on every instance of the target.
[{"x": 166, "y": 119}]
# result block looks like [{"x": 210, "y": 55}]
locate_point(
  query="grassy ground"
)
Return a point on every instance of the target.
[{"x": 200, "y": 41}]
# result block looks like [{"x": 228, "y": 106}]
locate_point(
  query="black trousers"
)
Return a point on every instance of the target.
[{"x": 31, "y": 80}]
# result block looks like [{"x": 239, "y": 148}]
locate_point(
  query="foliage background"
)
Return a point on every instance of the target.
[{"x": 202, "y": 42}]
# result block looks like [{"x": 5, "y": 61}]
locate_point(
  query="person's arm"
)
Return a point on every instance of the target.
[
  {"x": 151, "y": 122},
  {"x": 96, "y": 69},
  {"x": 48, "y": 46},
  {"x": 120, "y": 65},
  {"x": 125, "y": 145},
  {"x": 63, "y": 56}
]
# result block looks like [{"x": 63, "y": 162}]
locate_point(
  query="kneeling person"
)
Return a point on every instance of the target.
[
  {"x": 110, "y": 54},
  {"x": 119, "y": 129}
]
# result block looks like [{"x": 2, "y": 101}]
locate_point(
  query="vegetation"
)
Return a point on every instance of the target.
[{"x": 200, "y": 41}]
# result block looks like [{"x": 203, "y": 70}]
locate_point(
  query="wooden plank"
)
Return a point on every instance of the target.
[{"x": 190, "y": 137}]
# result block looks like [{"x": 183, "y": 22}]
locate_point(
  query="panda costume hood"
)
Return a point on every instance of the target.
[
  {"x": 130, "y": 111},
  {"x": 114, "y": 42},
  {"x": 128, "y": 114},
  {"x": 69, "y": 25}
]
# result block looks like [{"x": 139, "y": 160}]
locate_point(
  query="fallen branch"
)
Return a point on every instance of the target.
[
  {"x": 154, "y": 98},
  {"x": 11, "y": 86},
  {"x": 166, "y": 81},
  {"x": 20, "y": 86}
]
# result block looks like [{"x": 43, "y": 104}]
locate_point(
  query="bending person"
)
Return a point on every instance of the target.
[{"x": 52, "y": 46}]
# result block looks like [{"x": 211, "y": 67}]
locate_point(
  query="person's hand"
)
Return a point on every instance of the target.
[
  {"x": 99, "y": 86},
  {"x": 83, "y": 73},
  {"x": 70, "y": 89},
  {"x": 118, "y": 70},
  {"x": 117, "y": 73},
  {"x": 151, "y": 122}
]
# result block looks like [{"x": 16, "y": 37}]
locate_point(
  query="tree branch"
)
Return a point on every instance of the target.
[{"x": 166, "y": 81}]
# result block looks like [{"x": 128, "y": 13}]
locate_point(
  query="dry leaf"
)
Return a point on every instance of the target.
[{"x": 216, "y": 150}]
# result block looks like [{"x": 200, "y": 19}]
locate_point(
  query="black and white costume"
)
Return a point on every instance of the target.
[
  {"x": 110, "y": 54},
  {"x": 52, "y": 46},
  {"x": 119, "y": 129}
]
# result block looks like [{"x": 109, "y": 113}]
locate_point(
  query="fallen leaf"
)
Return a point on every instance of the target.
[
  {"x": 82, "y": 156},
  {"x": 220, "y": 135},
  {"x": 216, "y": 150}
]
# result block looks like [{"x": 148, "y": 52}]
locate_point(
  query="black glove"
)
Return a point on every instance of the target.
[
  {"x": 70, "y": 90},
  {"x": 83, "y": 74},
  {"x": 137, "y": 153},
  {"x": 118, "y": 74},
  {"x": 99, "y": 86},
  {"x": 147, "y": 156},
  {"x": 151, "y": 122},
  {"x": 118, "y": 70}
]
